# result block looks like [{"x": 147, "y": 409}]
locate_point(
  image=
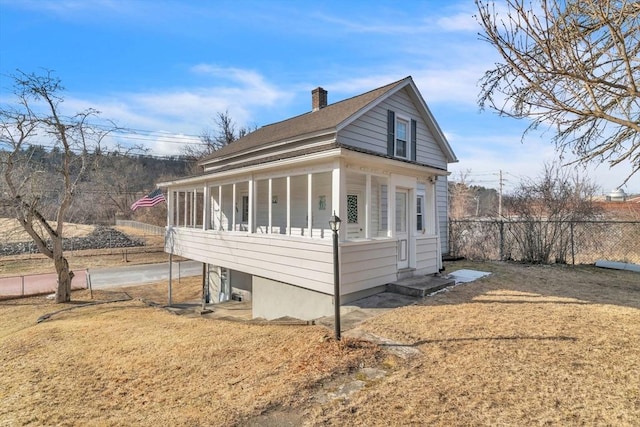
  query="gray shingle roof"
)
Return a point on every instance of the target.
[{"x": 325, "y": 119}]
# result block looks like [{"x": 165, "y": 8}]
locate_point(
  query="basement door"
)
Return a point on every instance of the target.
[{"x": 402, "y": 227}]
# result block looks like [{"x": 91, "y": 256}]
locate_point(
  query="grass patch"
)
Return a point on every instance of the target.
[{"x": 527, "y": 345}]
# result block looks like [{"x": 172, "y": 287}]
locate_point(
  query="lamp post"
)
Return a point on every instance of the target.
[{"x": 334, "y": 223}]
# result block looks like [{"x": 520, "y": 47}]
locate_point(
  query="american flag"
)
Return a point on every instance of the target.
[{"x": 149, "y": 200}]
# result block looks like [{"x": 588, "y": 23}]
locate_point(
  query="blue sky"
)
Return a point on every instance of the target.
[{"x": 166, "y": 67}]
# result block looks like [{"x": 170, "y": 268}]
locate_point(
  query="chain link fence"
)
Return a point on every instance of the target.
[
  {"x": 37, "y": 284},
  {"x": 147, "y": 228},
  {"x": 575, "y": 242}
]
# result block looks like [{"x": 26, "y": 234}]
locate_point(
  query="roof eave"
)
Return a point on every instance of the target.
[{"x": 270, "y": 146}]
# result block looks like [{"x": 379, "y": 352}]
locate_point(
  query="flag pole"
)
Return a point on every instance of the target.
[{"x": 170, "y": 275}]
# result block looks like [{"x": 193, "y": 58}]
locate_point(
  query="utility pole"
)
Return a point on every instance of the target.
[{"x": 500, "y": 218}]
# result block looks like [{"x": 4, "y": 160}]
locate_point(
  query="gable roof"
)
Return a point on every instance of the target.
[{"x": 326, "y": 120}]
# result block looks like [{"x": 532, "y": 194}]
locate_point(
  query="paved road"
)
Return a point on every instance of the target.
[{"x": 141, "y": 274}]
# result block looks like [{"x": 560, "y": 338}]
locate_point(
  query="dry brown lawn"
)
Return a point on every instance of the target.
[
  {"x": 127, "y": 363},
  {"x": 528, "y": 345}
]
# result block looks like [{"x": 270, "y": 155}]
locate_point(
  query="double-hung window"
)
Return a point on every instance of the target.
[
  {"x": 402, "y": 131},
  {"x": 420, "y": 213},
  {"x": 402, "y": 135}
]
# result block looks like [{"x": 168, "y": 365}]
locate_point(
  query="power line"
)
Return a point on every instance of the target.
[{"x": 143, "y": 135}]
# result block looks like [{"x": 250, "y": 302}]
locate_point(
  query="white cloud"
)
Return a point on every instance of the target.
[
  {"x": 246, "y": 85},
  {"x": 486, "y": 155},
  {"x": 463, "y": 21},
  {"x": 384, "y": 21},
  {"x": 82, "y": 10},
  {"x": 187, "y": 111},
  {"x": 456, "y": 86},
  {"x": 372, "y": 26}
]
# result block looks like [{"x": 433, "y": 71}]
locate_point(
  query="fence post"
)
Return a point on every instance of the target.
[
  {"x": 573, "y": 252},
  {"x": 89, "y": 285},
  {"x": 450, "y": 236},
  {"x": 501, "y": 240}
]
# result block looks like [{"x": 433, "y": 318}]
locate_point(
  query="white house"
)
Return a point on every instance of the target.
[{"x": 258, "y": 217}]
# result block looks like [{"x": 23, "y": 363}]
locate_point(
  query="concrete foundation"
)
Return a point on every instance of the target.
[{"x": 273, "y": 299}]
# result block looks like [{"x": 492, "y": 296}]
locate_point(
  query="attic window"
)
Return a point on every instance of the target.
[
  {"x": 402, "y": 137},
  {"x": 402, "y": 127}
]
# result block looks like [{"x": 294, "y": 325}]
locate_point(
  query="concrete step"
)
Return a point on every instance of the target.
[
  {"x": 406, "y": 273},
  {"x": 419, "y": 286}
]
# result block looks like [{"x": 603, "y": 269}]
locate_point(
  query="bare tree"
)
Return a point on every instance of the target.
[
  {"x": 461, "y": 197},
  {"x": 570, "y": 64},
  {"x": 544, "y": 209},
  {"x": 40, "y": 193},
  {"x": 226, "y": 132}
]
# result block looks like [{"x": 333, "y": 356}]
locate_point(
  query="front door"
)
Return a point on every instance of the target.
[{"x": 402, "y": 227}]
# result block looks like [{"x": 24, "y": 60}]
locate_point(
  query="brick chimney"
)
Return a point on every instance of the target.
[{"x": 318, "y": 98}]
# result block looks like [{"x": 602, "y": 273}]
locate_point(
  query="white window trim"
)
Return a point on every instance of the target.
[
  {"x": 407, "y": 141},
  {"x": 420, "y": 196}
]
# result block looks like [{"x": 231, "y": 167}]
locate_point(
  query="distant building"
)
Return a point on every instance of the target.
[{"x": 617, "y": 195}]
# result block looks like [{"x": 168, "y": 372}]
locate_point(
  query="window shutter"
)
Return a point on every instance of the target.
[
  {"x": 414, "y": 139},
  {"x": 391, "y": 132}
]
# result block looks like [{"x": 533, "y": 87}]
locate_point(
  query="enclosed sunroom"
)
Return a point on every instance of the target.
[{"x": 258, "y": 218}]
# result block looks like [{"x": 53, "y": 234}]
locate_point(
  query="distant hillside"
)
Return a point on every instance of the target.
[{"x": 110, "y": 188}]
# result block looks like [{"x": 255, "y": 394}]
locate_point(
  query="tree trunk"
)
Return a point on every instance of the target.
[{"x": 63, "y": 291}]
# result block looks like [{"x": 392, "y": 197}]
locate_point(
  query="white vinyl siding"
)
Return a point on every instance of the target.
[
  {"x": 302, "y": 262},
  {"x": 369, "y": 132},
  {"x": 426, "y": 255},
  {"x": 443, "y": 212},
  {"x": 299, "y": 261},
  {"x": 367, "y": 265}
]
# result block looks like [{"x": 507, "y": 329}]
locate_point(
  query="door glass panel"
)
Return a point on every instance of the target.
[
  {"x": 352, "y": 208},
  {"x": 401, "y": 212}
]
